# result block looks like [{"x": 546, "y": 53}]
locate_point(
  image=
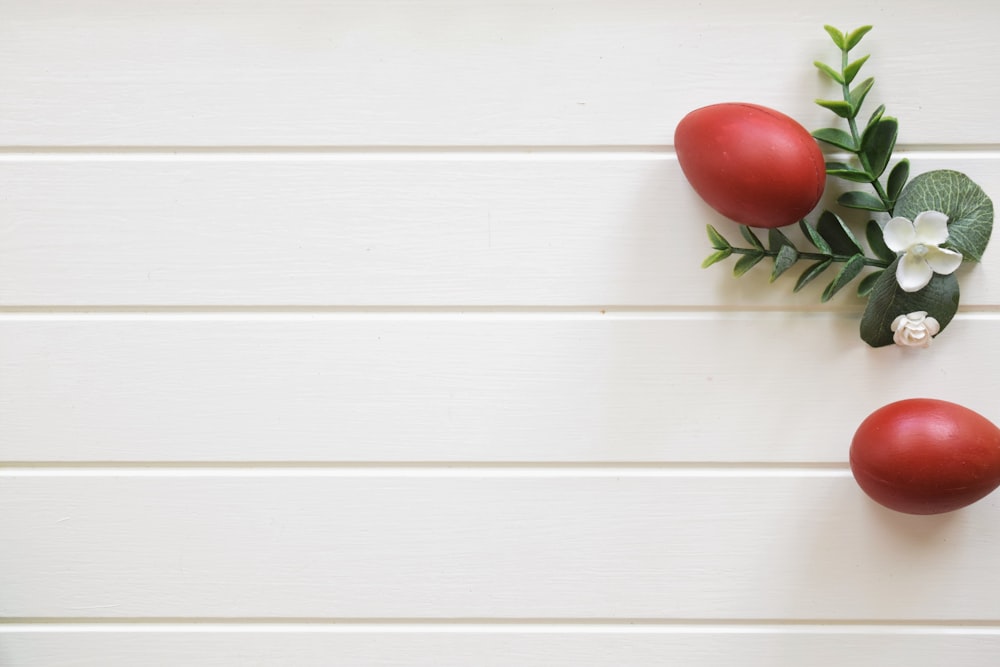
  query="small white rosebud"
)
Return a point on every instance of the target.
[{"x": 914, "y": 329}]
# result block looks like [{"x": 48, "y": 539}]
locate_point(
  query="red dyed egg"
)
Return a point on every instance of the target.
[
  {"x": 925, "y": 456},
  {"x": 752, "y": 164}
]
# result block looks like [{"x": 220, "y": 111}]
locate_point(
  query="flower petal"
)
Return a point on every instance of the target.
[
  {"x": 899, "y": 234},
  {"x": 931, "y": 227},
  {"x": 913, "y": 273},
  {"x": 933, "y": 326},
  {"x": 942, "y": 260}
]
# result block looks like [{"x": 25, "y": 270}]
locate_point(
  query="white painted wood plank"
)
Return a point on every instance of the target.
[
  {"x": 578, "y": 646},
  {"x": 381, "y": 544},
  {"x": 392, "y": 230},
  {"x": 299, "y": 72},
  {"x": 512, "y": 388}
]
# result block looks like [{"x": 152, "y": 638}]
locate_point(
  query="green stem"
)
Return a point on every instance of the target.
[
  {"x": 869, "y": 261},
  {"x": 853, "y": 124}
]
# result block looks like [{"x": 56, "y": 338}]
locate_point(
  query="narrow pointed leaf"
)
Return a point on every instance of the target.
[
  {"x": 897, "y": 179},
  {"x": 862, "y": 200},
  {"x": 877, "y": 144},
  {"x": 835, "y": 137},
  {"x": 751, "y": 237},
  {"x": 876, "y": 116},
  {"x": 849, "y": 174},
  {"x": 837, "y": 37},
  {"x": 859, "y": 92},
  {"x": 715, "y": 257},
  {"x": 848, "y": 272},
  {"x": 868, "y": 283},
  {"x": 887, "y": 301},
  {"x": 969, "y": 209},
  {"x": 811, "y": 273},
  {"x": 839, "y": 107},
  {"x": 716, "y": 239},
  {"x": 814, "y": 237},
  {"x": 776, "y": 239},
  {"x": 746, "y": 262},
  {"x": 852, "y": 69},
  {"x": 836, "y": 233},
  {"x": 876, "y": 242},
  {"x": 787, "y": 256},
  {"x": 829, "y": 71},
  {"x": 853, "y": 38}
]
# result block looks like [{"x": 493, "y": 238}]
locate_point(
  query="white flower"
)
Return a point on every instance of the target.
[
  {"x": 914, "y": 329},
  {"x": 919, "y": 242}
]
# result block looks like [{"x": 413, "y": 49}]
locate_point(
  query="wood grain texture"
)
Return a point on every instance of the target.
[
  {"x": 510, "y": 388},
  {"x": 455, "y": 72},
  {"x": 680, "y": 545},
  {"x": 261, "y": 646},
  {"x": 394, "y": 230}
]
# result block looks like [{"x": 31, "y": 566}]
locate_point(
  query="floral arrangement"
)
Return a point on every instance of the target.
[{"x": 921, "y": 229}]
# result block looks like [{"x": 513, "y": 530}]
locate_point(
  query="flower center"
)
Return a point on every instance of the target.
[{"x": 920, "y": 250}]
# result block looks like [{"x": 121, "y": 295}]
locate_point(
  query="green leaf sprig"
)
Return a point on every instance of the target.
[{"x": 870, "y": 147}]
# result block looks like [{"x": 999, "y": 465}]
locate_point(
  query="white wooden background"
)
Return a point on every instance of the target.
[{"x": 373, "y": 333}]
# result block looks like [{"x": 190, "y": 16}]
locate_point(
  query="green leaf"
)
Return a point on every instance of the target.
[
  {"x": 887, "y": 301},
  {"x": 852, "y": 69},
  {"x": 876, "y": 242},
  {"x": 716, "y": 239},
  {"x": 877, "y": 144},
  {"x": 812, "y": 272},
  {"x": 787, "y": 256},
  {"x": 839, "y": 107},
  {"x": 862, "y": 200},
  {"x": 746, "y": 262},
  {"x": 854, "y": 37},
  {"x": 838, "y": 138},
  {"x": 829, "y": 71},
  {"x": 897, "y": 179},
  {"x": 969, "y": 209},
  {"x": 876, "y": 116},
  {"x": 751, "y": 237},
  {"x": 776, "y": 239},
  {"x": 848, "y": 272},
  {"x": 836, "y": 233},
  {"x": 814, "y": 237},
  {"x": 837, "y": 37},
  {"x": 716, "y": 256},
  {"x": 847, "y": 172},
  {"x": 859, "y": 92},
  {"x": 868, "y": 283}
]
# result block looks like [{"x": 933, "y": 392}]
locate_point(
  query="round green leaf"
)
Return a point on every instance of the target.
[
  {"x": 969, "y": 209},
  {"x": 887, "y": 301}
]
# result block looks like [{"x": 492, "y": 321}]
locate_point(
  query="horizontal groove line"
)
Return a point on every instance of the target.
[
  {"x": 597, "y": 626},
  {"x": 418, "y": 469}
]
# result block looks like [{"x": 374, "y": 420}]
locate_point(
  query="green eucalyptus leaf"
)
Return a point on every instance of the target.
[
  {"x": 835, "y": 137},
  {"x": 751, "y": 237},
  {"x": 848, "y": 272},
  {"x": 839, "y": 107},
  {"x": 862, "y": 200},
  {"x": 887, "y": 301},
  {"x": 876, "y": 242},
  {"x": 969, "y": 209},
  {"x": 847, "y": 172},
  {"x": 877, "y": 144},
  {"x": 836, "y": 233},
  {"x": 853, "y": 38},
  {"x": 853, "y": 68},
  {"x": 829, "y": 71},
  {"x": 897, "y": 179},
  {"x": 815, "y": 238},
  {"x": 787, "y": 256},
  {"x": 716, "y": 256},
  {"x": 812, "y": 272},
  {"x": 859, "y": 92},
  {"x": 716, "y": 239},
  {"x": 867, "y": 283},
  {"x": 746, "y": 262},
  {"x": 776, "y": 240},
  {"x": 876, "y": 116},
  {"x": 837, "y": 37}
]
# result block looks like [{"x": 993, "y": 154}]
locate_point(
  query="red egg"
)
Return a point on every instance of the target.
[
  {"x": 925, "y": 456},
  {"x": 752, "y": 164}
]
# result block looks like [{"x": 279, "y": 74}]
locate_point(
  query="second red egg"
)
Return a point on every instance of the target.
[{"x": 752, "y": 164}]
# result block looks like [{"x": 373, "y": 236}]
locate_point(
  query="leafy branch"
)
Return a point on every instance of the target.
[{"x": 873, "y": 146}]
